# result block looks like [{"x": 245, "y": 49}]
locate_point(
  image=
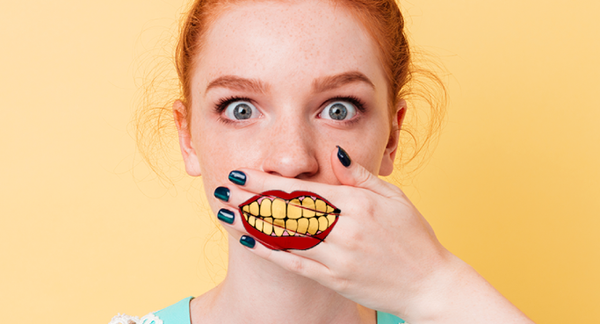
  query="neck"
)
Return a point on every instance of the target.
[{"x": 258, "y": 291}]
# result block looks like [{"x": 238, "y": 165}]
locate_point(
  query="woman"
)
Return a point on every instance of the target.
[{"x": 289, "y": 110}]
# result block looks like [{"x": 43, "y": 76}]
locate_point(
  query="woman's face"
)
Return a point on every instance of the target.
[{"x": 277, "y": 86}]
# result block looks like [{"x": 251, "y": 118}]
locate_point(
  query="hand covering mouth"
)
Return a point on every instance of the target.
[{"x": 281, "y": 221}]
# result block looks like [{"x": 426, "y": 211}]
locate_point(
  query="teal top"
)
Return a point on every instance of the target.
[{"x": 179, "y": 313}]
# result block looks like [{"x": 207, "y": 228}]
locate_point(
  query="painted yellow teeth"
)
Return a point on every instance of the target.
[{"x": 302, "y": 216}]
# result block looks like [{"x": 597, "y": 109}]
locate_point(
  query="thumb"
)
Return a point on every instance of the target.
[{"x": 355, "y": 175}]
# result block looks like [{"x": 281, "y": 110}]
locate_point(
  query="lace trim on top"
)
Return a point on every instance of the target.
[{"x": 126, "y": 319}]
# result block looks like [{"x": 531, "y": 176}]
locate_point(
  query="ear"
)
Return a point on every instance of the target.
[
  {"x": 387, "y": 162},
  {"x": 190, "y": 158}
]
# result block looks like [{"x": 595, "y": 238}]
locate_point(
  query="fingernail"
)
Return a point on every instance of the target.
[
  {"x": 247, "y": 241},
  {"x": 237, "y": 177},
  {"x": 226, "y": 216},
  {"x": 343, "y": 156},
  {"x": 222, "y": 193}
]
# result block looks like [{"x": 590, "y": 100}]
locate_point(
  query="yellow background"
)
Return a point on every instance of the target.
[{"x": 513, "y": 187}]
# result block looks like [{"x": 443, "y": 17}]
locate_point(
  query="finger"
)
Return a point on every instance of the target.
[
  {"x": 292, "y": 205},
  {"x": 292, "y": 262},
  {"x": 353, "y": 174},
  {"x": 252, "y": 184},
  {"x": 299, "y": 219},
  {"x": 232, "y": 196},
  {"x": 258, "y": 182},
  {"x": 231, "y": 219},
  {"x": 229, "y": 214}
]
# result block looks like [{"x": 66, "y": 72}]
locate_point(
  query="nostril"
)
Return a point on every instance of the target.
[{"x": 304, "y": 175}]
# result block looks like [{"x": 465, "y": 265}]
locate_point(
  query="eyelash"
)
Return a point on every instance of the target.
[
  {"x": 359, "y": 104},
  {"x": 222, "y": 105},
  {"x": 224, "y": 102}
]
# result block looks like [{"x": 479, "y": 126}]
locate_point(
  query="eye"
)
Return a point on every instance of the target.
[
  {"x": 338, "y": 110},
  {"x": 241, "y": 110}
]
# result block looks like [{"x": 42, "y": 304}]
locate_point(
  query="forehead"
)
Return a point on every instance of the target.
[{"x": 283, "y": 41}]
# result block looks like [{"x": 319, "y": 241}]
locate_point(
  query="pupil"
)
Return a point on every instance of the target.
[
  {"x": 242, "y": 111},
  {"x": 338, "y": 112}
]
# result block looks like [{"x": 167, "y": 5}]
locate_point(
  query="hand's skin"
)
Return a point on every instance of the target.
[{"x": 382, "y": 253}]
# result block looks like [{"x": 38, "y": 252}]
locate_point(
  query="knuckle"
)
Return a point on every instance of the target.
[
  {"x": 370, "y": 205},
  {"x": 340, "y": 284},
  {"x": 364, "y": 204},
  {"x": 296, "y": 265},
  {"x": 362, "y": 177},
  {"x": 353, "y": 237},
  {"x": 345, "y": 268},
  {"x": 350, "y": 243}
]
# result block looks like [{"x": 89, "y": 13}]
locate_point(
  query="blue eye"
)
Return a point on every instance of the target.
[
  {"x": 339, "y": 110},
  {"x": 241, "y": 110}
]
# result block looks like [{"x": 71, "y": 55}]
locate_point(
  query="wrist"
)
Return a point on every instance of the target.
[
  {"x": 435, "y": 295},
  {"x": 456, "y": 293}
]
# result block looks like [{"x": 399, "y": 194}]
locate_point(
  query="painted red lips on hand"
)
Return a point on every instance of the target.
[{"x": 282, "y": 221}]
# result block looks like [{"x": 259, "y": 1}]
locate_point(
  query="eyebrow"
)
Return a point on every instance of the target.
[
  {"x": 338, "y": 80},
  {"x": 319, "y": 85},
  {"x": 237, "y": 83}
]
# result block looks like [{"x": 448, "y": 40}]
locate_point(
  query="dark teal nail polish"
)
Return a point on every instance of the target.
[
  {"x": 247, "y": 241},
  {"x": 226, "y": 216},
  {"x": 222, "y": 193},
  {"x": 343, "y": 156},
  {"x": 237, "y": 177}
]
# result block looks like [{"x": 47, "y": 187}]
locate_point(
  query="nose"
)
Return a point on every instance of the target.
[{"x": 291, "y": 151}]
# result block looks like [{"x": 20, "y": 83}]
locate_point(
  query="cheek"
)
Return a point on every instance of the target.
[
  {"x": 219, "y": 153},
  {"x": 376, "y": 133}
]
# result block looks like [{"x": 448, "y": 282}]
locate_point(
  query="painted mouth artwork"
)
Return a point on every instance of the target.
[{"x": 282, "y": 221}]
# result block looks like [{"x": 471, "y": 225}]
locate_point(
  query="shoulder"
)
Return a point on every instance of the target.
[{"x": 178, "y": 313}]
